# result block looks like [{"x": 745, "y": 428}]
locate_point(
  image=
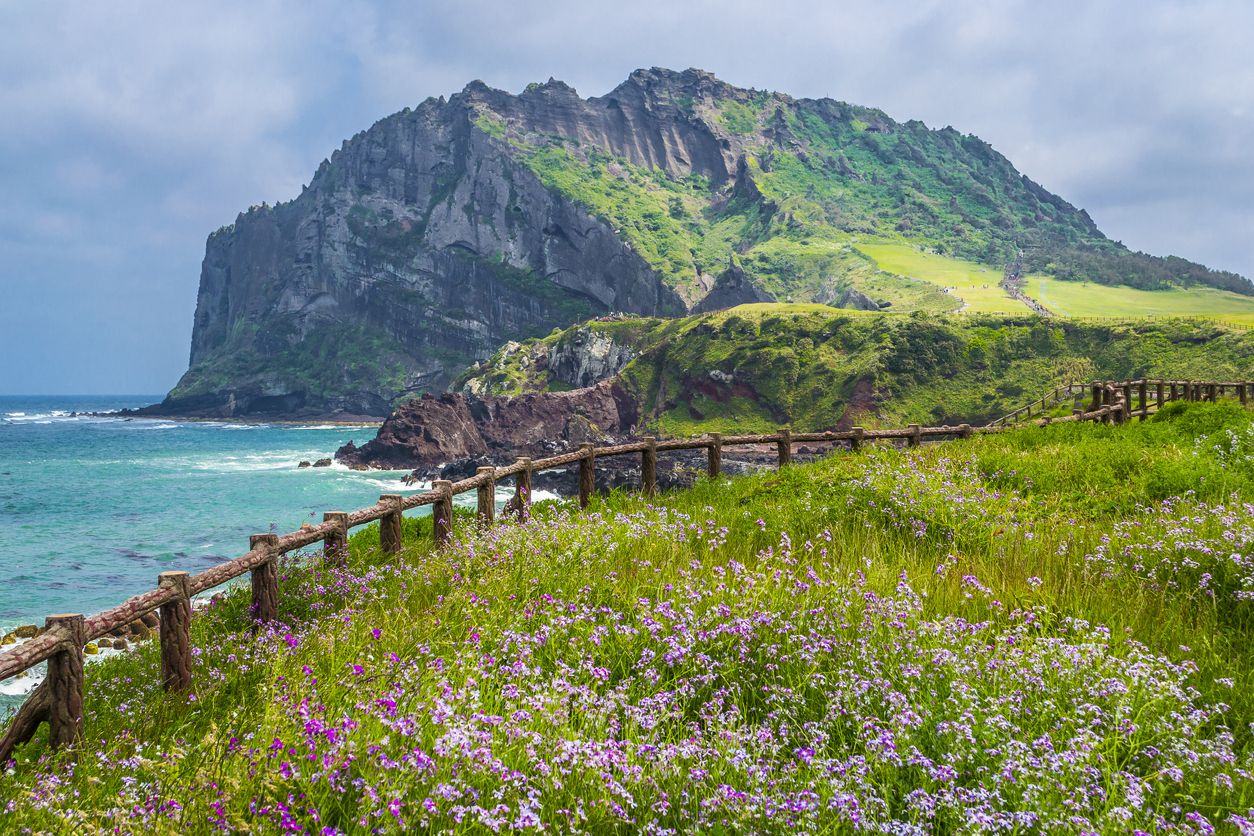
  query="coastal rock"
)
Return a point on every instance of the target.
[
  {"x": 322, "y": 463},
  {"x": 26, "y": 631},
  {"x": 430, "y": 432},
  {"x": 303, "y": 464}
]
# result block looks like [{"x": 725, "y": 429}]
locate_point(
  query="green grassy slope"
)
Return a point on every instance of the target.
[
  {"x": 1043, "y": 629},
  {"x": 978, "y": 288},
  {"x": 976, "y": 285},
  {"x": 1087, "y": 299},
  {"x": 811, "y": 178},
  {"x": 757, "y": 366}
]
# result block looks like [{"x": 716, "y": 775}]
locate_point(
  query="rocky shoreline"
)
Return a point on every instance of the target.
[
  {"x": 123, "y": 639},
  {"x": 149, "y": 413},
  {"x": 451, "y": 435}
]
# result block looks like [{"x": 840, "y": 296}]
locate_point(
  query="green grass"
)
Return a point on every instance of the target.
[
  {"x": 977, "y": 285},
  {"x": 754, "y": 367},
  {"x": 1070, "y": 298},
  {"x": 952, "y": 625}
]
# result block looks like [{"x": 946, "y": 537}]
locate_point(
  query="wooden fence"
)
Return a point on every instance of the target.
[
  {"x": 1043, "y": 404},
  {"x": 59, "y": 698},
  {"x": 1215, "y": 319}
]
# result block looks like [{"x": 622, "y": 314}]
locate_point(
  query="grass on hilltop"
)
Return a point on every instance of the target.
[
  {"x": 978, "y": 286},
  {"x": 1070, "y": 298},
  {"x": 754, "y": 367},
  {"x": 1043, "y": 627}
]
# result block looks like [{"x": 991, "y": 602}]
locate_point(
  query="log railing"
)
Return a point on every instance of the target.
[
  {"x": 1042, "y": 404},
  {"x": 59, "y": 698}
]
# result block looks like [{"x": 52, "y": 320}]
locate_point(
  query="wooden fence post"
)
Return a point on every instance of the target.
[
  {"x": 335, "y": 544},
  {"x": 65, "y": 682},
  {"x": 715, "y": 463},
  {"x": 648, "y": 466},
  {"x": 390, "y": 524},
  {"x": 915, "y": 436},
  {"x": 1143, "y": 394},
  {"x": 265, "y": 579},
  {"x": 784, "y": 447},
  {"x": 522, "y": 489},
  {"x": 442, "y": 512},
  {"x": 174, "y": 630},
  {"x": 1127, "y": 401},
  {"x": 1212, "y": 393},
  {"x": 1158, "y": 394},
  {"x": 1097, "y": 397},
  {"x": 964, "y": 430},
  {"x": 855, "y": 443},
  {"x": 487, "y": 495},
  {"x": 587, "y": 474},
  {"x": 1244, "y": 386}
]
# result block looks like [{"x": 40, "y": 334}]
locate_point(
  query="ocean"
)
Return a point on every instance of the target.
[{"x": 92, "y": 509}]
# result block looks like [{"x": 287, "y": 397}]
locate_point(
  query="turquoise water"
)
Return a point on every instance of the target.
[{"x": 92, "y": 509}]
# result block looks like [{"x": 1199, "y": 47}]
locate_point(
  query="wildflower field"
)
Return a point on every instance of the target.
[{"x": 1047, "y": 630}]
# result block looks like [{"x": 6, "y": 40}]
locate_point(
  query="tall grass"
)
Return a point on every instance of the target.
[{"x": 1044, "y": 629}]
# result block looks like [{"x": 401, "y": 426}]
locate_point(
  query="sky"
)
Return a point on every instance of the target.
[{"x": 131, "y": 130}]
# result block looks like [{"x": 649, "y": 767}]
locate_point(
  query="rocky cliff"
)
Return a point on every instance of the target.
[
  {"x": 427, "y": 241},
  {"x": 431, "y": 431}
]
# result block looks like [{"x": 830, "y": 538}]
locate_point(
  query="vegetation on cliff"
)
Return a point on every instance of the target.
[
  {"x": 757, "y": 366},
  {"x": 332, "y": 360},
  {"x": 812, "y": 176},
  {"x": 1044, "y": 629}
]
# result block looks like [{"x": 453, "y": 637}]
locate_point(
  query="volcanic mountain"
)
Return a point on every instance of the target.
[{"x": 427, "y": 241}]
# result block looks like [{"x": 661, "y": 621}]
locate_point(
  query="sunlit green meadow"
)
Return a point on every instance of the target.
[{"x": 977, "y": 285}]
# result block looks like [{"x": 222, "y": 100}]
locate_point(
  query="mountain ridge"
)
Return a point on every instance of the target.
[{"x": 429, "y": 239}]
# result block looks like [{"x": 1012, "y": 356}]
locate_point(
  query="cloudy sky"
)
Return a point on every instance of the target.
[{"x": 129, "y": 130}]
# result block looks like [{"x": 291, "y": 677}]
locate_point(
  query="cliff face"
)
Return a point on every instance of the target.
[{"x": 421, "y": 246}]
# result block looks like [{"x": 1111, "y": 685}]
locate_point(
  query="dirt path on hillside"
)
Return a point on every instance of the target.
[{"x": 1012, "y": 282}]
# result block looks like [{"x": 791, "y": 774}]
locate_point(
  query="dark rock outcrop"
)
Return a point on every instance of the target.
[
  {"x": 857, "y": 300},
  {"x": 732, "y": 287},
  {"x": 430, "y": 432},
  {"x": 586, "y": 358}
]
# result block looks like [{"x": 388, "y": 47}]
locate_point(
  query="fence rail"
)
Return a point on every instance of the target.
[{"x": 59, "y": 699}]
